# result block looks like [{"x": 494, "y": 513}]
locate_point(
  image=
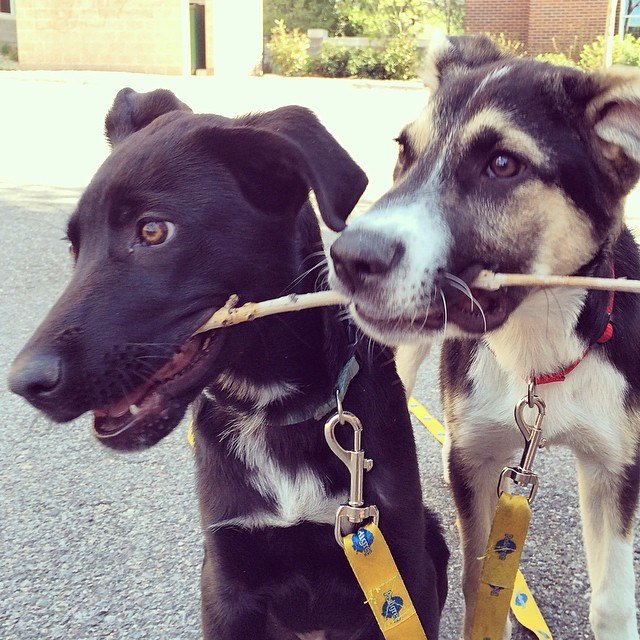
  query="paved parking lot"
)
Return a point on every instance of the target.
[{"x": 97, "y": 545}]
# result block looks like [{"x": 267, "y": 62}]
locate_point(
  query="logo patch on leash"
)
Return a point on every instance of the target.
[
  {"x": 392, "y": 605},
  {"x": 505, "y": 546},
  {"x": 362, "y": 541}
]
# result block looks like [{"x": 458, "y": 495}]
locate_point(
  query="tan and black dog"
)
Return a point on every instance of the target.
[{"x": 517, "y": 166}]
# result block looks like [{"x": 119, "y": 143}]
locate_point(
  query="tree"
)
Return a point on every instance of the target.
[
  {"x": 376, "y": 18},
  {"x": 300, "y": 14}
]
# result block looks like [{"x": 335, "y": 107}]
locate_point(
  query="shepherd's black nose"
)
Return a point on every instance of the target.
[
  {"x": 35, "y": 376},
  {"x": 363, "y": 258}
]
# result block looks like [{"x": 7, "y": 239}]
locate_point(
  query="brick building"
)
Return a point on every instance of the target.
[
  {"x": 538, "y": 24},
  {"x": 150, "y": 36}
]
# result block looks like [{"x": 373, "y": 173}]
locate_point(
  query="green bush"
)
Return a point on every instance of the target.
[
  {"x": 396, "y": 61},
  {"x": 510, "y": 47},
  {"x": 558, "y": 58},
  {"x": 367, "y": 62},
  {"x": 625, "y": 51},
  {"x": 289, "y": 50},
  {"x": 9, "y": 51},
  {"x": 400, "y": 57},
  {"x": 332, "y": 61}
]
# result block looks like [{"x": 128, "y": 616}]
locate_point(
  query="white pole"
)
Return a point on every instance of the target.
[{"x": 609, "y": 32}]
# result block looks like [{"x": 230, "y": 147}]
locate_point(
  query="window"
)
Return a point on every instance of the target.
[
  {"x": 629, "y": 20},
  {"x": 6, "y": 6}
]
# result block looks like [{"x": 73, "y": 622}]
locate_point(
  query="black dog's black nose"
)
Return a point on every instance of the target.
[
  {"x": 364, "y": 257},
  {"x": 35, "y": 376}
]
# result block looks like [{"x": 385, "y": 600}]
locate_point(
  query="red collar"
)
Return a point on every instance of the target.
[{"x": 605, "y": 336}]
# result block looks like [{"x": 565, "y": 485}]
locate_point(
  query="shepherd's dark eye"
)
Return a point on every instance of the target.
[
  {"x": 155, "y": 232},
  {"x": 73, "y": 252},
  {"x": 503, "y": 165}
]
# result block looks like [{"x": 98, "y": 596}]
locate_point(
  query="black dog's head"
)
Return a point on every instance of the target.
[
  {"x": 515, "y": 165},
  {"x": 187, "y": 210}
]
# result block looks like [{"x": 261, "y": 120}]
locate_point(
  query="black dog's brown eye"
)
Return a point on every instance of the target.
[
  {"x": 503, "y": 165},
  {"x": 154, "y": 232},
  {"x": 73, "y": 252}
]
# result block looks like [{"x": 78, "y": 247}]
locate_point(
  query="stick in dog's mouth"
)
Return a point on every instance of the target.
[
  {"x": 152, "y": 399},
  {"x": 231, "y": 314}
]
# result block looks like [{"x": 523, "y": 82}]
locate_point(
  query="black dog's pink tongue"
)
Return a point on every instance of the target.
[{"x": 177, "y": 364}]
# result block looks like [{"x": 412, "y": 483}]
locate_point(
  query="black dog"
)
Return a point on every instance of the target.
[{"x": 187, "y": 210}]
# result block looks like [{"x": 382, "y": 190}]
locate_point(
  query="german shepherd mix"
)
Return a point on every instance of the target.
[
  {"x": 187, "y": 210},
  {"x": 517, "y": 166}
]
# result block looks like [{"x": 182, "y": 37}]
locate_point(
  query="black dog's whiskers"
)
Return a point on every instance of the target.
[{"x": 463, "y": 287}]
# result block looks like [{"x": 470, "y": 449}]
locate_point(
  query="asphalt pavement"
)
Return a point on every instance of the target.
[{"x": 99, "y": 545}]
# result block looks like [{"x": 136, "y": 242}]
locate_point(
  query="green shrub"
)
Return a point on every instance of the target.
[
  {"x": 625, "y": 51},
  {"x": 332, "y": 61},
  {"x": 367, "y": 62},
  {"x": 9, "y": 51},
  {"x": 400, "y": 57},
  {"x": 555, "y": 57},
  {"x": 511, "y": 47},
  {"x": 396, "y": 61},
  {"x": 289, "y": 50}
]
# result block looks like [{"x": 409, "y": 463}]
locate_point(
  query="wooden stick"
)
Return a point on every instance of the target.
[
  {"x": 493, "y": 281},
  {"x": 231, "y": 314}
]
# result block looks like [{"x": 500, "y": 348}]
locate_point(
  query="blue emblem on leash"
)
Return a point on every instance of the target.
[
  {"x": 521, "y": 599},
  {"x": 392, "y": 605},
  {"x": 362, "y": 540},
  {"x": 505, "y": 546}
]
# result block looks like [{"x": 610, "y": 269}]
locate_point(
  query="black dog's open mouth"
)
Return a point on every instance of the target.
[{"x": 162, "y": 398}]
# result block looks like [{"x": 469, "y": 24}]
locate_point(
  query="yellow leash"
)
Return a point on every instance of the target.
[
  {"x": 366, "y": 550},
  {"x": 523, "y": 604},
  {"x": 380, "y": 580},
  {"x": 500, "y": 566}
]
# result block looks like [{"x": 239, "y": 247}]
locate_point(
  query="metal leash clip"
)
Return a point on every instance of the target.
[
  {"x": 522, "y": 475},
  {"x": 354, "y": 511}
]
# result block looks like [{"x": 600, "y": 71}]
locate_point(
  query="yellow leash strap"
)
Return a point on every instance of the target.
[
  {"x": 366, "y": 550},
  {"x": 376, "y": 571},
  {"x": 191, "y": 436},
  {"x": 500, "y": 566},
  {"x": 523, "y": 605}
]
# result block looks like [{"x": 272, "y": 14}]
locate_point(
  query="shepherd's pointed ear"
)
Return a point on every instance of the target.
[
  {"x": 614, "y": 113},
  {"x": 448, "y": 54},
  {"x": 131, "y": 111},
  {"x": 337, "y": 181}
]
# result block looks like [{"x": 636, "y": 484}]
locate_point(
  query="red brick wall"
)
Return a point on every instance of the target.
[
  {"x": 570, "y": 22},
  {"x": 536, "y": 23},
  {"x": 510, "y": 17}
]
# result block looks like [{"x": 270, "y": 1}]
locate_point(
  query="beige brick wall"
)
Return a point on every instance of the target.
[
  {"x": 123, "y": 35},
  {"x": 539, "y": 23}
]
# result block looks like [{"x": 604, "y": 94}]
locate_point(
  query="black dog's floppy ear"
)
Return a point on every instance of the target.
[
  {"x": 131, "y": 111},
  {"x": 303, "y": 147},
  {"x": 448, "y": 54}
]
